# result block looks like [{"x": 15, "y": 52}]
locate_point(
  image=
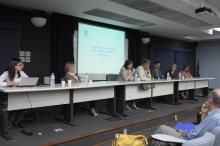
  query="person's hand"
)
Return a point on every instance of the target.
[
  {"x": 133, "y": 70},
  {"x": 205, "y": 108},
  {"x": 152, "y": 78},
  {"x": 9, "y": 84},
  {"x": 15, "y": 84},
  {"x": 182, "y": 133}
]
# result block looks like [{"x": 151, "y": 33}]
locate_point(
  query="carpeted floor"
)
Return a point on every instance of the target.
[{"x": 44, "y": 129}]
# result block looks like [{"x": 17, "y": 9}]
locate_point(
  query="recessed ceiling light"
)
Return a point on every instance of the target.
[
  {"x": 190, "y": 37},
  {"x": 209, "y": 31},
  {"x": 217, "y": 29}
]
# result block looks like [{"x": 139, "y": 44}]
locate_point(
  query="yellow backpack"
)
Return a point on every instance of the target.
[{"x": 129, "y": 140}]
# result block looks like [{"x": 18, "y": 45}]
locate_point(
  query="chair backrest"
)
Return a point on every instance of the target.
[
  {"x": 207, "y": 139},
  {"x": 216, "y": 132},
  {"x": 46, "y": 80},
  {"x": 111, "y": 77}
]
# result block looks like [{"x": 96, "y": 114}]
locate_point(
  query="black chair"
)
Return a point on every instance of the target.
[{"x": 111, "y": 77}]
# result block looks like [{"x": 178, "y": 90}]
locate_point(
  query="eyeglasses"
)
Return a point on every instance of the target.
[{"x": 20, "y": 64}]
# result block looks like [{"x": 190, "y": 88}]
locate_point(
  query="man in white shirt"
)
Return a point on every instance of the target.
[
  {"x": 144, "y": 70},
  {"x": 145, "y": 75}
]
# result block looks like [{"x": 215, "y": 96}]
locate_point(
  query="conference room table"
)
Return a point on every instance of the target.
[
  {"x": 163, "y": 87},
  {"x": 18, "y": 98}
]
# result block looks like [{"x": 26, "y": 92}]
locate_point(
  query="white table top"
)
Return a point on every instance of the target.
[
  {"x": 172, "y": 80},
  {"x": 168, "y": 138},
  {"x": 59, "y": 87},
  {"x": 94, "y": 85}
]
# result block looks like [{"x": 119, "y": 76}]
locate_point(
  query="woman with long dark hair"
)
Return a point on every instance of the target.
[{"x": 12, "y": 77}]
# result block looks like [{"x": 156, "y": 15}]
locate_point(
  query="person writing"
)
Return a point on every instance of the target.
[
  {"x": 144, "y": 70},
  {"x": 210, "y": 120},
  {"x": 172, "y": 71},
  {"x": 71, "y": 75},
  {"x": 127, "y": 74},
  {"x": 12, "y": 77}
]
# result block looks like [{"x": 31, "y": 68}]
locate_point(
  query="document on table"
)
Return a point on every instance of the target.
[{"x": 167, "y": 138}]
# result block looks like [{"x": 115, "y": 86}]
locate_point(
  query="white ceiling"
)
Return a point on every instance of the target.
[{"x": 163, "y": 27}]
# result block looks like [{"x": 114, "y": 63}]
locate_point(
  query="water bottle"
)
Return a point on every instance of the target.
[
  {"x": 180, "y": 76},
  {"x": 136, "y": 77},
  {"x": 86, "y": 79},
  {"x": 168, "y": 75},
  {"x": 52, "y": 80}
]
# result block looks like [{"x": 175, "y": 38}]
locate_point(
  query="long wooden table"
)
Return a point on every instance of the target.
[{"x": 16, "y": 98}]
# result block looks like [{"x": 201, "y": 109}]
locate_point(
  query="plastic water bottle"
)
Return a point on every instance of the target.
[
  {"x": 86, "y": 79},
  {"x": 136, "y": 77},
  {"x": 168, "y": 75},
  {"x": 180, "y": 76},
  {"x": 52, "y": 80}
]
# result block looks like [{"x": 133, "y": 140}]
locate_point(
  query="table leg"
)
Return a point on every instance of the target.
[
  {"x": 120, "y": 99},
  {"x": 4, "y": 116},
  {"x": 192, "y": 94},
  {"x": 205, "y": 91},
  {"x": 116, "y": 105},
  {"x": 68, "y": 111}
]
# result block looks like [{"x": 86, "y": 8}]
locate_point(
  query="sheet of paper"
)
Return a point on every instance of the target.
[{"x": 168, "y": 138}]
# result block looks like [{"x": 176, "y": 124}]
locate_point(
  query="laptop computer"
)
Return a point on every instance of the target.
[{"x": 28, "y": 82}]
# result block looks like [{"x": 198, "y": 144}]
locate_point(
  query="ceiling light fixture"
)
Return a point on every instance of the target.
[
  {"x": 38, "y": 21},
  {"x": 217, "y": 29},
  {"x": 38, "y": 18},
  {"x": 145, "y": 40}
]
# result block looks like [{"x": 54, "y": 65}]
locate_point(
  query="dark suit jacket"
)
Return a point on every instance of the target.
[{"x": 155, "y": 74}]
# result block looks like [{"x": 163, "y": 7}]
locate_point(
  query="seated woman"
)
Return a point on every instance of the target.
[
  {"x": 12, "y": 77},
  {"x": 186, "y": 74},
  {"x": 70, "y": 75},
  {"x": 172, "y": 71},
  {"x": 127, "y": 74}
]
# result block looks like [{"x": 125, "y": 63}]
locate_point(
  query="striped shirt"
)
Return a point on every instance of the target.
[{"x": 210, "y": 122}]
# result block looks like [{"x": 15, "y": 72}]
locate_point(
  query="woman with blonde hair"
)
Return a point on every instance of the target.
[
  {"x": 71, "y": 75},
  {"x": 172, "y": 71}
]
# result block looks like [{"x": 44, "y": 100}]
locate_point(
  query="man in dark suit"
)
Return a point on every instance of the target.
[{"x": 156, "y": 73}]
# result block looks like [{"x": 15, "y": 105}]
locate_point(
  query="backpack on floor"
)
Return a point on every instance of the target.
[{"x": 129, "y": 140}]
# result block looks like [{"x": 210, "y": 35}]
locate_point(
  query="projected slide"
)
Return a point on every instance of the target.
[{"x": 100, "y": 50}]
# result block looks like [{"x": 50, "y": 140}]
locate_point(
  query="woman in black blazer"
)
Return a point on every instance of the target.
[{"x": 172, "y": 71}]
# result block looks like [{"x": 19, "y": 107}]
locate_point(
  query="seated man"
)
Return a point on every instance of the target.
[
  {"x": 156, "y": 73},
  {"x": 211, "y": 108},
  {"x": 144, "y": 70}
]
